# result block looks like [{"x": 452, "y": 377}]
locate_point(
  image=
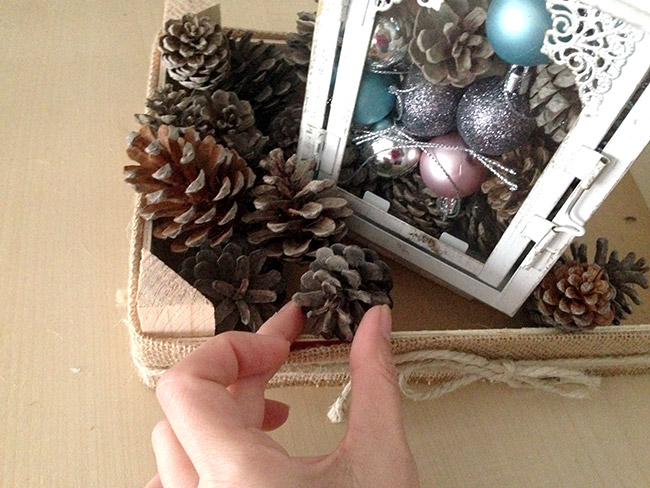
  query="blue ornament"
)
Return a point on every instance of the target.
[
  {"x": 516, "y": 30},
  {"x": 374, "y": 101}
]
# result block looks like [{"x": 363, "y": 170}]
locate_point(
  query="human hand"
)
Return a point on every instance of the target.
[{"x": 216, "y": 414}]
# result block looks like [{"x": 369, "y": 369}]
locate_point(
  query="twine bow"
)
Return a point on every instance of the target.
[{"x": 464, "y": 369}]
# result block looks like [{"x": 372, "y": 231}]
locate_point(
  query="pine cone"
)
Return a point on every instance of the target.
[
  {"x": 285, "y": 129},
  {"x": 299, "y": 44},
  {"x": 242, "y": 285},
  {"x": 261, "y": 75},
  {"x": 341, "y": 285},
  {"x": 355, "y": 177},
  {"x": 412, "y": 202},
  {"x": 623, "y": 274},
  {"x": 528, "y": 161},
  {"x": 483, "y": 230},
  {"x": 195, "y": 52},
  {"x": 555, "y": 96},
  {"x": 193, "y": 187},
  {"x": 573, "y": 297},
  {"x": 450, "y": 45},
  {"x": 233, "y": 123},
  {"x": 293, "y": 216},
  {"x": 177, "y": 107}
]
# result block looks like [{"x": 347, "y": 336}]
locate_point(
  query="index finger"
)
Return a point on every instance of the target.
[{"x": 193, "y": 393}]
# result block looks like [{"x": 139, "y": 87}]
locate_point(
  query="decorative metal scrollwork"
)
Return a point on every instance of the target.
[{"x": 593, "y": 44}]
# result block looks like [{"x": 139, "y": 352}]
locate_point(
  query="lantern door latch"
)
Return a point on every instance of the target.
[{"x": 588, "y": 165}]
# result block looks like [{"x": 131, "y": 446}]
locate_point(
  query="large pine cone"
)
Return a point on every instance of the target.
[
  {"x": 192, "y": 186},
  {"x": 195, "y": 52},
  {"x": 341, "y": 285},
  {"x": 292, "y": 215},
  {"x": 242, "y": 285},
  {"x": 624, "y": 275},
  {"x": 299, "y": 44},
  {"x": 528, "y": 160},
  {"x": 412, "y": 202},
  {"x": 177, "y": 107},
  {"x": 573, "y": 297},
  {"x": 555, "y": 96},
  {"x": 285, "y": 129},
  {"x": 261, "y": 75},
  {"x": 450, "y": 45}
]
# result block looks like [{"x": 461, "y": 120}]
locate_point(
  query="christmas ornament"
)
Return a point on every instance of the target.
[
  {"x": 195, "y": 52},
  {"x": 554, "y": 98},
  {"x": 424, "y": 109},
  {"x": 493, "y": 114},
  {"x": 451, "y": 171},
  {"x": 342, "y": 283},
  {"x": 389, "y": 41},
  {"x": 450, "y": 46},
  {"x": 243, "y": 284},
  {"x": 516, "y": 30},
  {"x": 292, "y": 215},
  {"x": 624, "y": 274},
  {"x": 193, "y": 187},
  {"x": 374, "y": 101},
  {"x": 388, "y": 155}
]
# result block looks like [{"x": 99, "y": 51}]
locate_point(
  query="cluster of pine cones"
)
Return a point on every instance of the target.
[{"x": 235, "y": 211}]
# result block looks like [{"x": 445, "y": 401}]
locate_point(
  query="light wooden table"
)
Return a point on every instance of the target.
[{"x": 72, "y": 412}]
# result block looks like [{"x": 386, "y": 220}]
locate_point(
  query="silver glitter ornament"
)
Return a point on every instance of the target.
[
  {"x": 493, "y": 114},
  {"x": 426, "y": 110},
  {"x": 388, "y": 158},
  {"x": 389, "y": 42}
]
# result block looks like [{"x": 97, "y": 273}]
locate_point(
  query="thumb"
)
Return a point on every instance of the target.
[{"x": 375, "y": 409}]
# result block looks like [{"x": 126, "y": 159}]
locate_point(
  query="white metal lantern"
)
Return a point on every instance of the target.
[{"x": 606, "y": 48}]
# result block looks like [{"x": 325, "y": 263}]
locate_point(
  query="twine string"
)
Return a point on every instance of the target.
[{"x": 465, "y": 369}]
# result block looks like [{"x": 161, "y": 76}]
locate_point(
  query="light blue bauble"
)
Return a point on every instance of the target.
[
  {"x": 383, "y": 124},
  {"x": 374, "y": 101},
  {"x": 516, "y": 29}
]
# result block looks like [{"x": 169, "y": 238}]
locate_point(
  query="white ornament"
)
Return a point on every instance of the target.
[{"x": 593, "y": 44}]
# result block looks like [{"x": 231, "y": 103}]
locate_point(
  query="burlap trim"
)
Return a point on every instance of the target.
[{"x": 605, "y": 351}]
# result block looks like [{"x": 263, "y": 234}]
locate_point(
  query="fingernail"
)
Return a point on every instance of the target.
[{"x": 385, "y": 321}]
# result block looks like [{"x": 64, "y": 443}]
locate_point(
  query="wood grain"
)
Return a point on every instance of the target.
[{"x": 73, "y": 412}]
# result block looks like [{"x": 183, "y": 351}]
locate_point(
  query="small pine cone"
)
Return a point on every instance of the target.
[
  {"x": 292, "y": 214},
  {"x": 192, "y": 186},
  {"x": 624, "y": 275},
  {"x": 261, "y": 75},
  {"x": 411, "y": 201},
  {"x": 299, "y": 44},
  {"x": 573, "y": 297},
  {"x": 195, "y": 52},
  {"x": 177, "y": 107},
  {"x": 341, "y": 285},
  {"x": 450, "y": 45},
  {"x": 243, "y": 286},
  {"x": 285, "y": 129},
  {"x": 483, "y": 230},
  {"x": 355, "y": 177},
  {"x": 233, "y": 123},
  {"x": 528, "y": 161},
  {"x": 554, "y": 96}
]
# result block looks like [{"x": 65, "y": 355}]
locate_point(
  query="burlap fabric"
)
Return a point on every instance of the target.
[{"x": 605, "y": 351}]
